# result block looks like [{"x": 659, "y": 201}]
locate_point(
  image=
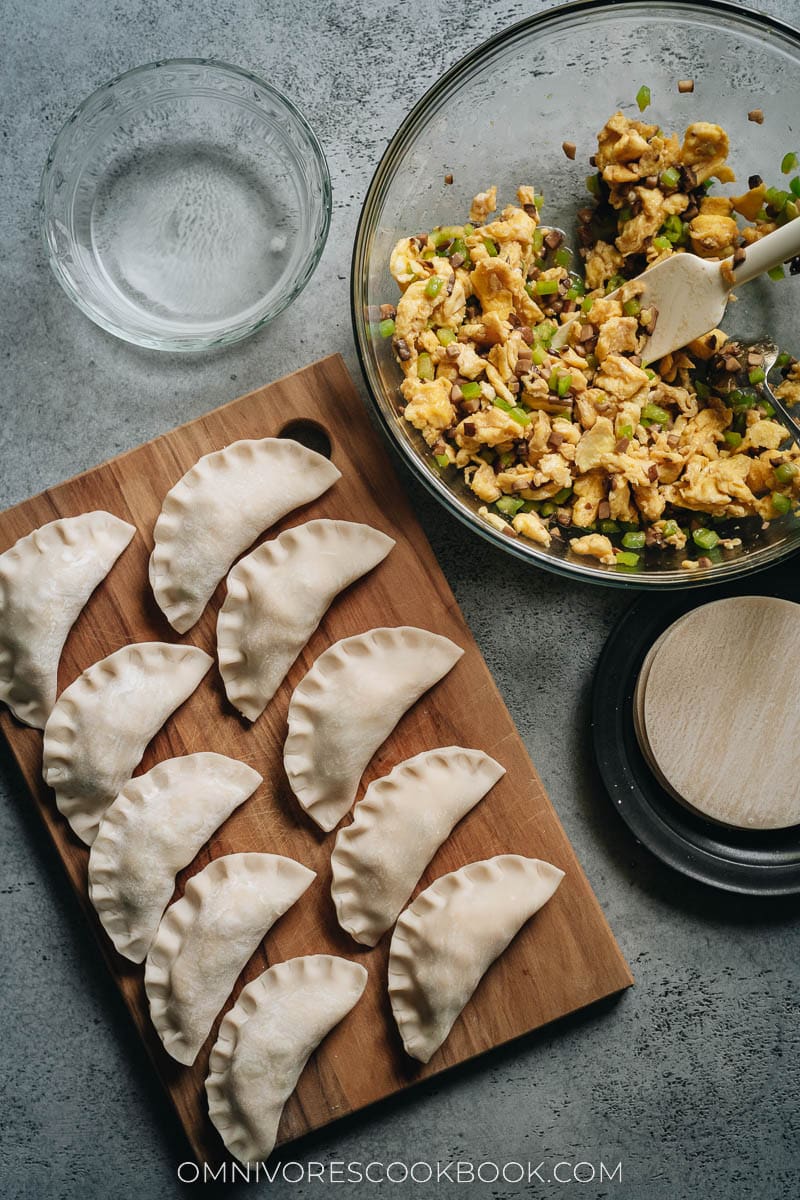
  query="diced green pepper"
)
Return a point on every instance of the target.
[
  {"x": 509, "y": 505},
  {"x": 776, "y": 272},
  {"x": 795, "y": 186},
  {"x": 670, "y": 178},
  {"x": 538, "y": 239},
  {"x": 468, "y": 230},
  {"x": 781, "y": 503},
  {"x": 425, "y": 368},
  {"x": 562, "y": 496},
  {"x": 442, "y": 460},
  {"x": 633, "y": 541},
  {"x": 653, "y": 414},
  {"x": 548, "y": 508},
  {"x": 626, "y": 558},
  {"x": 507, "y": 459},
  {"x": 786, "y": 472},
  {"x": 662, "y": 243},
  {"x": 705, "y": 539},
  {"x": 470, "y": 390},
  {"x": 673, "y": 229},
  {"x": 434, "y": 286},
  {"x": 586, "y": 305},
  {"x": 669, "y": 529},
  {"x": 609, "y": 527},
  {"x": 788, "y": 162},
  {"x": 626, "y": 431},
  {"x": 445, "y": 234},
  {"x": 593, "y": 184},
  {"x": 519, "y": 415},
  {"x": 783, "y": 360},
  {"x": 500, "y": 403},
  {"x": 614, "y": 282},
  {"x": 643, "y": 97},
  {"x": 386, "y": 328},
  {"x": 546, "y": 287},
  {"x": 563, "y": 257},
  {"x": 733, "y": 438},
  {"x": 445, "y": 335},
  {"x": 491, "y": 247},
  {"x": 631, "y": 308},
  {"x": 757, "y": 375},
  {"x": 776, "y": 198},
  {"x": 538, "y": 355},
  {"x": 538, "y": 200},
  {"x": 563, "y": 385}
]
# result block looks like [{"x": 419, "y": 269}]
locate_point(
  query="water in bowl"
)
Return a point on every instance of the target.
[{"x": 194, "y": 235}]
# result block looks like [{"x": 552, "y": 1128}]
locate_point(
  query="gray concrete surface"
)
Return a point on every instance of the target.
[{"x": 691, "y": 1081}]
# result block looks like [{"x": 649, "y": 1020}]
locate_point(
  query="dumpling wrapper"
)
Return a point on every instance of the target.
[
  {"x": 266, "y": 1040},
  {"x": 446, "y": 940},
  {"x": 101, "y": 724},
  {"x": 348, "y": 704},
  {"x": 218, "y": 509},
  {"x": 154, "y": 829},
  {"x": 277, "y": 597},
  {"x": 206, "y": 938},
  {"x": 46, "y": 579},
  {"x": 397, "y": 828}
]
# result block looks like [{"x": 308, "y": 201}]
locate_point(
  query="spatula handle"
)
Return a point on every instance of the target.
[{"x": 769, "y": 252}]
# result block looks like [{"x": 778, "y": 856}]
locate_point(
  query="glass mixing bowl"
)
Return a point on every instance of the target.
[
  {"x": 185, "y": 204},
  {"x": 500, "y": 116}
]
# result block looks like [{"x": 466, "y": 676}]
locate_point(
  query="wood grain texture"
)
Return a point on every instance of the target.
[{"x": 564, "y": 959}]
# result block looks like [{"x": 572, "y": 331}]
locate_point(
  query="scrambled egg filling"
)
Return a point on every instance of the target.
[{"x": 585, "y": 442}]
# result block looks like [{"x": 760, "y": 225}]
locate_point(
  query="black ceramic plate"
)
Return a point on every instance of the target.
[{"x": 757, "y": 863}]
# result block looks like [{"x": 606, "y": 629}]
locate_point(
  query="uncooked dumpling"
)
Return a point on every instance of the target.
[
  {"x": 348, "y": 704},
  {"x": 206, "y": 937},
  {"x": 397, "y": 828},
  {"x": 154, "y": 829},
  {"x": 265, "y": 1041},
  {"x": 218, "y": 509},
  {"x": 277, "y": 597},
  {"x": 101, "y": 724},
  {"x": 46, "y": 579},
  {"x": 445, "y": 941}
]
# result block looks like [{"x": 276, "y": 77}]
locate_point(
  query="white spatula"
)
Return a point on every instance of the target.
[{"x": 690, "y": 294}]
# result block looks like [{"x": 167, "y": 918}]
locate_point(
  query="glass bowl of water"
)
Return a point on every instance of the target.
[{"x": 185, "y": 204}]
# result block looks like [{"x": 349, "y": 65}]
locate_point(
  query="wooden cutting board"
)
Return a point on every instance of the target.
[{"x": 563, "y": 959}]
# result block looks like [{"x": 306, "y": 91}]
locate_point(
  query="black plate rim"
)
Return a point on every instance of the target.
[{"x": 755, "y": 864}]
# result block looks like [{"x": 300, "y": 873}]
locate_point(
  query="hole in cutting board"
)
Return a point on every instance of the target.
[{"x": 308, "y": 434}]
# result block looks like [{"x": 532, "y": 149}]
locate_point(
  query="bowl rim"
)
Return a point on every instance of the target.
[
  {"x": 236, "y": 332},
  {"x": 529, "y": 553}
]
